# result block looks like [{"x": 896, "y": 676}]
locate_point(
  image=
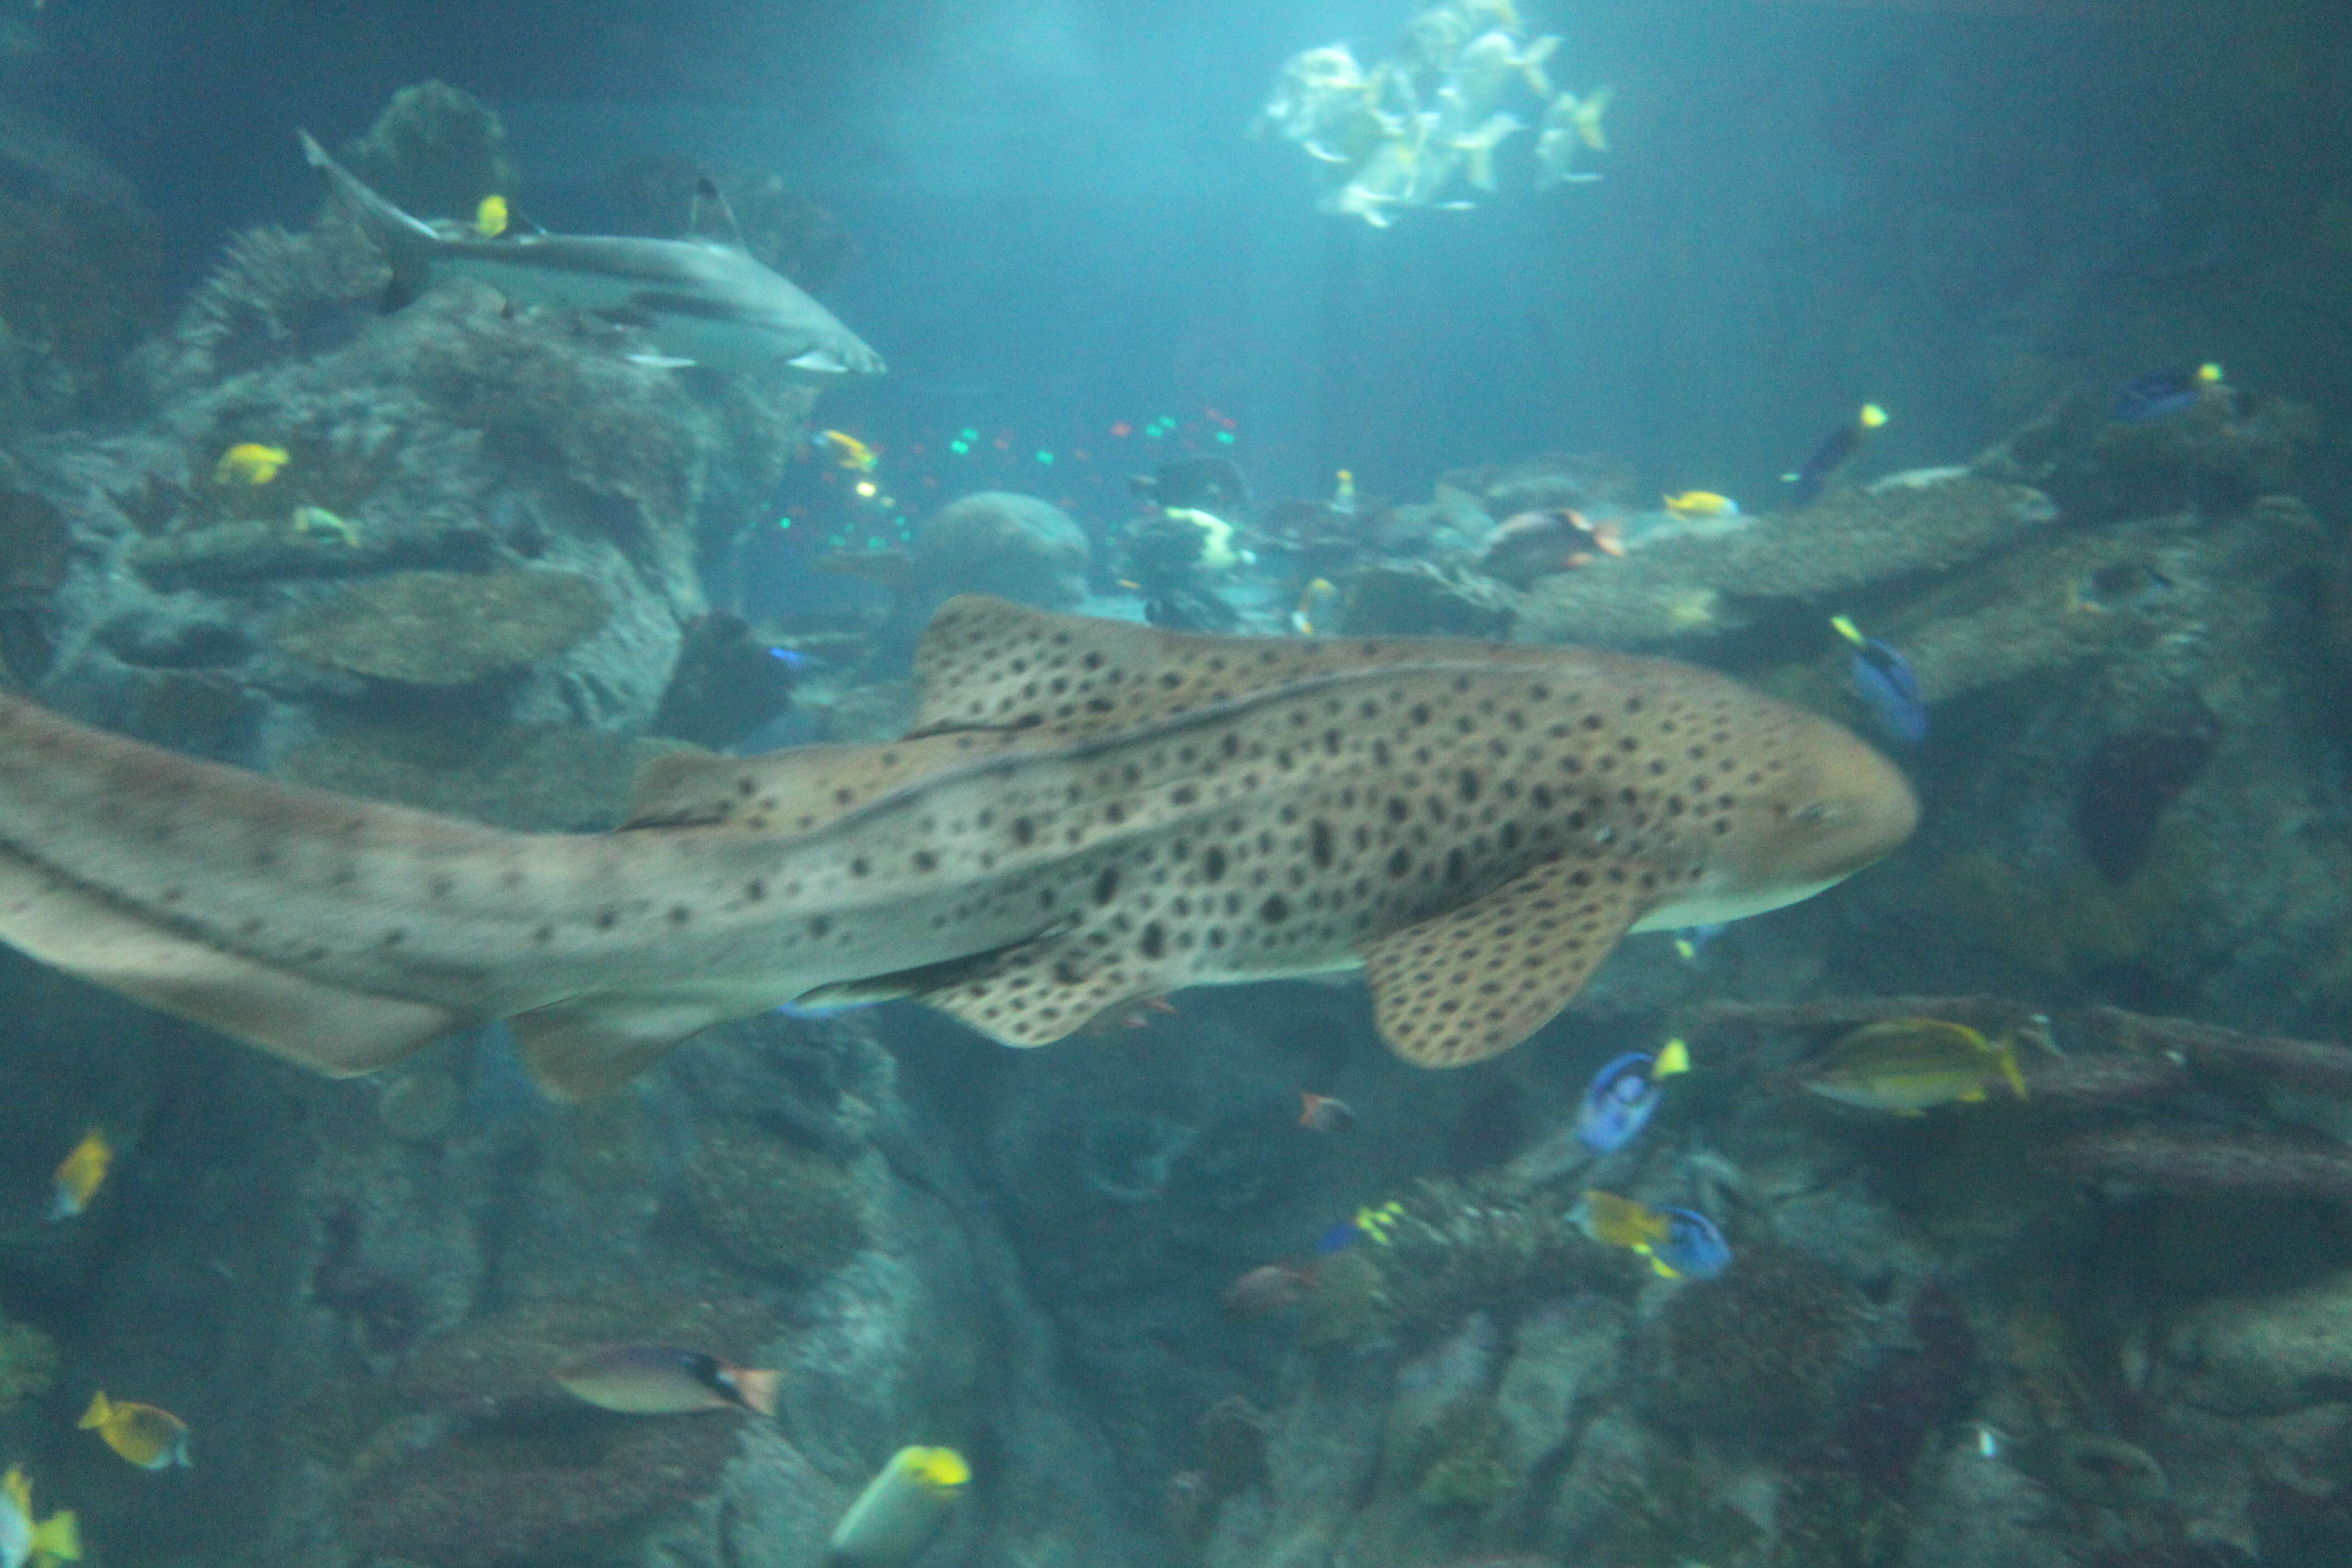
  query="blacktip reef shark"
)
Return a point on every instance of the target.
[
  {"x": 1085, "y": 813},
  {"x": 703, "y": 299}
]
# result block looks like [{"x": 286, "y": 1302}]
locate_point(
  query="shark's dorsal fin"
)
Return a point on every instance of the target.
[
  {"x": 713, "y": 222},
  {"x": 791, "y": 790},
  {"x": 1473, "y": 981},
  {"x": 988, "y": 663}
]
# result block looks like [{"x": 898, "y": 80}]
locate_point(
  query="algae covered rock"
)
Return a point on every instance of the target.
[
  {"x": 774, "y": 1206},
  {"x": 446, "y": 628},
  {"x": 1014, "y": 546},
  {"x": 435, "y": 151}
]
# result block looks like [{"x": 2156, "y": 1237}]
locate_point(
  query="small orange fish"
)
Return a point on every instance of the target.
[
  {"x": 1323, "y": 1113},
  {"x": 1268, "y": 1288}
]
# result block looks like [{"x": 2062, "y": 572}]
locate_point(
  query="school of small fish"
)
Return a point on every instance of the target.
[{"x": 1419, "y": 129}]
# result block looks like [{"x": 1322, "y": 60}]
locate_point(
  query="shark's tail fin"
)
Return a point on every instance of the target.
[{"x": 404, "y": 240}]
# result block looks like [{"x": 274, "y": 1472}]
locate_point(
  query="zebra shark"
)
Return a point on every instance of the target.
[{"x": 1085, "y": 813}]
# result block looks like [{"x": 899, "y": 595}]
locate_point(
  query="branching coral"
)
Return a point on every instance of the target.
[{"x": 275, "y": 297}]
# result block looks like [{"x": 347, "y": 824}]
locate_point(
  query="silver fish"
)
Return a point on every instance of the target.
[
  {"x": 701, "y": 300},
  {"x": 1086, "y": 813}
]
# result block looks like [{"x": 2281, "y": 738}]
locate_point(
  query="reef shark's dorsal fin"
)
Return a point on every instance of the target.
[
  {"x": 1475, "y": 981},
  {"x": 989, "y": 664},
  {"x": 791, "y": 790},
  {"x": 713, "y": 221}
]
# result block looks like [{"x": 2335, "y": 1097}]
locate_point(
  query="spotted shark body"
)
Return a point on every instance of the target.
[
  {"x": 1085, "y": 812},
  {"x": 703, "y": 300}
]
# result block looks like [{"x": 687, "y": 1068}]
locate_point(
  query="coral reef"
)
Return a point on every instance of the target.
[
  {"x": 772, "y": 1208},
  {"x": 442, "y": 628},
  {"x": 275, "y": 297},
  {"x": 1754, "y": 1355},
  {"x": 436, "y": 152},
  {"x": 1908, "y": 1397}
]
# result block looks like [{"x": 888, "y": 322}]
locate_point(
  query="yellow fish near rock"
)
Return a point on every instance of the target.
[
  {"x": 249, "y": 463},
  {"x": 148, "y": 1435},
  {"x": 79, "y": 1175},
  {"x": 490, "y": 218},
  {"x": 1701, "y": 503},
  {"x": 901, "y": 1509},
  {"x": 1907, "y": 1065}
]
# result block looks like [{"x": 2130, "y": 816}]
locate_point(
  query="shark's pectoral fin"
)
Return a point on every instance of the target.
[
  {"x": 322, "y": 1026},
  {"x": 590, "y": 1044},
  {"x": 1475, "y": 981}
]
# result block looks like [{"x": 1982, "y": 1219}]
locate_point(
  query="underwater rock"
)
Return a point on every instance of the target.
[
  {"x": 1588, "y": 482},
  {"x": 77, "y": 257},
  {"x": 1417, "y": 599},
  {"x": 1907, "y": 1397},
  {"x": 2130, "y": 780},
  {"x": 2105, "y": 1472},
  {"x": 1014, "y": 546},
  {"x": 1701, "y": 586},
  {"x": 34, "y": 552},
  {"x": 435, "y": 151},
  {"x": 228, "y": 554},
  {"x": 2217, "y": 455},
  {"x": 725, "y": 685},
  {"x": 773, "y": 1208},
  {"x": 2265, "y": 1354},
  {"x": 446, "y": 628},
  {"x": 2190, "y": 1162}
]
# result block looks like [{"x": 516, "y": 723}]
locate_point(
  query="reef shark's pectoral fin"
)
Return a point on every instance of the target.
[
  {"x": 588, "y": 1045},
  {"x": 1473, "y": 981},
  {"x": 325, "y": 1027}
]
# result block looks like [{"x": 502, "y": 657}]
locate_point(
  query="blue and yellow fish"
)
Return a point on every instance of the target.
[
  {"x": 2161, "y": 393},
  {"x": 79, "y": 1175},
  {"x": 1886, "y": 684},
  {"x": 1679, "y": 1243},
  {"x": 24, "y": 1543},
  {"x": 148, "y": 1435},
  {"x": 1834, "y": 452},
  {"x": 1619, "y": 1100}
]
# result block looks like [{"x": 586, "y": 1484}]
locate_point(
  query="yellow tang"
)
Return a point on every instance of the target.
[
  {"x": 248, "y": 463},
  {"x": 1906, "y": 1065},
  {"x": 55, "y": 1540},
  {"x": 1701, "y": 503},
  {"x": 490, "y": 218},
  {"x": 151, "y": 1438},
  {"x": 80, "y": 1175}
]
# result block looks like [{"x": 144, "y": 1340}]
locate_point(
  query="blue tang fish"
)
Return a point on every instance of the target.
[
  {"x": 1692, "y": 1249},
  {"x": 1886, "y": 684},
  {"x": 2160, "y": 394},
  {"x": 1619, "y": 1100}
]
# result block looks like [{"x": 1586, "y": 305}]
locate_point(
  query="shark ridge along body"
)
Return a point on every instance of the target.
[
  {"x": 704, "y": 300},
  {"x": 1085, "y": 812}
]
